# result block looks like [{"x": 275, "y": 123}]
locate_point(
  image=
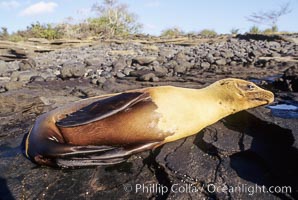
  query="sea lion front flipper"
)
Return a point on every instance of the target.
[
  {"x": 102, "y": 108},
  {"x": 113, "y": 155}
]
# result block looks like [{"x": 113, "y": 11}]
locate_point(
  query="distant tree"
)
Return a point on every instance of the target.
[
  {"x": 114, "y": 18},
  {"x": 4, "y": 33},
  {"x": 69, "y": 29},
  {"x": 270, "y": 17}
]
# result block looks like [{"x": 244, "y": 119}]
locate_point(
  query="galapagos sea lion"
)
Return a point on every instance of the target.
[{"x": 108, "y": 129}]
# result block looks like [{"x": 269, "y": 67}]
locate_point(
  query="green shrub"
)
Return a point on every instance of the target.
[
  {"x": 208, "y": 33},
  {"x": 46, "y": 31},
  {"x": 37, "y": 30},
  {"x": 100, "y": 26},
  {"x": 274, "y": 29},
  {"x": 15, "y": 38},
  {"x": 172, "y": 32},
  {"x": 234, "y": 31},
  {"x": 254, "y": 30},
  {"x": 267, "y": 31},
  {"x": 113, "y": 19}
]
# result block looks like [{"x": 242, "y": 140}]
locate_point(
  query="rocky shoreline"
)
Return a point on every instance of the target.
[{"x": 251, "y": 147}]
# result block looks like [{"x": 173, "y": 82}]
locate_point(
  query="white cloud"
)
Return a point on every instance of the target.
[
  {"x": 39, "y": 8},
  {"x": 152, "y": 4},
  {"x": 9, "y": 4}
]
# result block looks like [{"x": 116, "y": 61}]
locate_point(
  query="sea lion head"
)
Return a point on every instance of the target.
[{"x": 238, "y": 94}]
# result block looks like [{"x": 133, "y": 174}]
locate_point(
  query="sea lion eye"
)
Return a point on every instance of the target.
[{"x": 250, "y": 86}]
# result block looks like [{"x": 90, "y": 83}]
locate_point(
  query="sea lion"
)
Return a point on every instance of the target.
[{"x": 108, "y": 129}]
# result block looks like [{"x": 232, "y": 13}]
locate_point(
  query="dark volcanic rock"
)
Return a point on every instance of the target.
[
  {"x": 221, "y": 62},
  {"x": 260, "y": 37},
  {"x": 13, "y": 85},
  {"x": 289, "y": 79},
  {"x": 205, "y": 65},
  {"x": 144, "y": 60},
  {"x": 72, "y": 70},
  {"x": 23, "y": 76},
  {"x": 3, "y": 67},
  {"x": 119, "y": 64},
  {"x": 27, "y": 64},
  {"x": 180, "y": 68},
  {"x": 180, "y": 63},
  {"x": 94, "y": 61},
  {"x": 36, "y": 78},
  {"x": 26, "y": 76},
  {"x": 148, "y": 77},
  {"x": 14, "y": 102},
  {"x": 161, "y": 70},
  {"x": 120, "y": 75}
]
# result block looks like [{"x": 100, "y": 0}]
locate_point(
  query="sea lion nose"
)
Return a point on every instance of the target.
[{"x": 270, "y": 97}]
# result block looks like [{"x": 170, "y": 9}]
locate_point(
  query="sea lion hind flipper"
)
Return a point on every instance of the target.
[
  {"x": 114, "y": 155},
  {"x": 102, "y": 108},
  {"x": 87, "y": 163}
]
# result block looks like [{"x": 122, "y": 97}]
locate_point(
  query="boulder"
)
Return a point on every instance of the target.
[
  {"x": 27, "y": 64},
  {"x": 161, "y": 70},
  {"x": 119, "y": 64},
  {"x": 94, "y": 61},
  {"x": 3, "y": 67},
  {"x": 221, "y": 62},
  {"x": 291, "y": 77},
  {"x": 148, "y": 77},
  {"x": 13, "y": 85},
  {"x": 144, "y": 60},
  {"x": 127, "y": 71},
  {"x": 180, "y": 68},
  {"x": 205, "y": 65},
  {"x": 72, "y": 70}
]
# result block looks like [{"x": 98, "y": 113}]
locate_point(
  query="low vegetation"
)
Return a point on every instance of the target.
[
  {"x": 268, "y": 18},
  {"x": 172, "y": 32},
  {"x": 254, "y": 30},
  {"x": 268, "y": 31},
  {"x": 113, "y": 19},
  {"x": 208, "y": 33},
  {"x": 234, "y": 31}
]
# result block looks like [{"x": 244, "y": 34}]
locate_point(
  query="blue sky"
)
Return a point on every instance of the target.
[{"x": 155, "y": 15}]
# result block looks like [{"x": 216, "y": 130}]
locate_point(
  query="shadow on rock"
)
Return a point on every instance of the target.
[
  {"x": 271, "y": 160},
  {"x": 4, "y": 190},
  {"x": 159, "y": 172}
]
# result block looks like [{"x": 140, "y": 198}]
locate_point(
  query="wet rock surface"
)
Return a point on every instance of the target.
[{"x": 248, "y": 149}]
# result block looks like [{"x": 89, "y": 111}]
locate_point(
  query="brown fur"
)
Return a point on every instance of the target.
[{"x": 132, "y": 126}]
